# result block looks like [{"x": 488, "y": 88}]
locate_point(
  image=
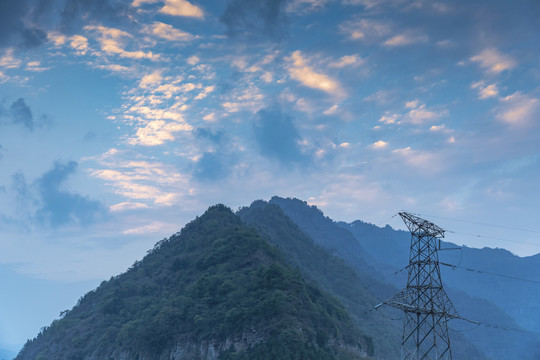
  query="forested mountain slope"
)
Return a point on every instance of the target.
[{"x": 216, "y": 290}]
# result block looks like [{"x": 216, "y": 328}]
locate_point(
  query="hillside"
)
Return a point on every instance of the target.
[
  {"x": 332, "y": 237},
  {"x": 329, "y": 272},
  {"x": 216, "y": 290}
]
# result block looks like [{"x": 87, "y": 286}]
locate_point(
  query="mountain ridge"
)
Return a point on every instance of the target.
[{"x": 215, "y": 290}]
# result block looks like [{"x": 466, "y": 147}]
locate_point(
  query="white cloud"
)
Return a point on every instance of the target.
[
  {"x": 305, "y": 6},
  {"x": 485, "y": 91},
  {"x": 407, "y": 38},
  {"x": 9, "y": 61},
  {"x": 348, "y": 60},
  {"x": 181, "y": 8},
  {"x": 518, "y": 109},
  {"x": 56, "y": 38},
  {"x": 193, "y": 60},
  {"x": 207, "y": 90},
  {"x": 366, "y": 30},
  {"x": 152, "y": 228},
  {"x": 35, "y": 66},
  {"x": 124, "y": 206},
  {"x": 140, "y": 181},
  {"x": 151, "y": 79},
  {"x": 419, "y": 115},
  {"x": 168, "y": 32},
  {"x": 440, "y": 128},
  {"x": 420, "y": 159},
  {"x": 379, "y": 145},
  {"x": 493, "y": 61},
  {"x": 79, "y": 43},
  {"x": 303, "y": 73},
  {"x": 157, "y": 132},
  {"x": 210, "y": 117},
  {"x": 137, "y": 3},
  {"x": 411, "y": 104},
  {"x": 112, "y": 42},
  {"x": 332, "y": 110},
  {"x": 389, "y": 118}
]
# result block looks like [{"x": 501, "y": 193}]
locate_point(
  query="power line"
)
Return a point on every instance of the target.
[
  {"x": 485, "y": 224},
  {"x": 494, "y": 238},
  {"x": 490, "y": 273}
]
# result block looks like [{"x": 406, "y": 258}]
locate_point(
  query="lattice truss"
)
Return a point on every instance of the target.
[{"x": 425, "y": 303}]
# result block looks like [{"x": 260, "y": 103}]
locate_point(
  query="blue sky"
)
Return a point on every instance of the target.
[{"x": 120, "y": 121}]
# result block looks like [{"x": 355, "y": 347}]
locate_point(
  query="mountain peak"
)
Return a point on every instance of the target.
[{"x": 215, "y": 290}]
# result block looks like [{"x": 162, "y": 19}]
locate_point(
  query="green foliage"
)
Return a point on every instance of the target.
[
  {"x": 330, "y": 272},
  {"x": 214, "y": 281}
]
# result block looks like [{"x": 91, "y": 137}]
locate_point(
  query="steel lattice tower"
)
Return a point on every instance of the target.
[{"x": 425, "y": 303}]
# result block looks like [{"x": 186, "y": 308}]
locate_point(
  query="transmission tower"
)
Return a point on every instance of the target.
[{"x": 425, "y": 303}]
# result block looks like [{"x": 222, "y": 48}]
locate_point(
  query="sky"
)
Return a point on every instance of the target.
[{"x": 122, "y": 120}]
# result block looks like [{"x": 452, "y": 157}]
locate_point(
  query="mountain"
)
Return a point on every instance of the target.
[
  {"x": 508, "y": 306},
  {"x": 509, "y": 281},
  {"x": 332, "y": 237},
  {"x": 216, "y": 290},
  {"x": 330, "y": 272}
]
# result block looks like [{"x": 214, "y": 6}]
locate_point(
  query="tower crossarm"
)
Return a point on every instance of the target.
[{"x": 421, "y": 227}]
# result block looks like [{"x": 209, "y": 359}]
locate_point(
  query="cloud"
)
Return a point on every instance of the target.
[
  {"x": 9, "y": 61},
  {"x": 366, "y": 30},
  {"x": 519, "y": 110},
  {"x": 303, "y": 73},
  {"x": 254, "y": 18},
  {"x": 77, "y": 13},
  {"x": 26, "y": 23},
  {"x": 419, "y": 159},
  {"x": 181, "y": 8},
  {"x": 112, "y": 42},
  {"x": 493, "y": 61},
  {"x": 60, "y": 207},
  {"x": 277, "y": 137},
  {"x": 348, "y": 60},
  {"x": 388, "y": 118},
  {"x": 485, "y": 91},
  {"x": 79, "y": 43},
  {"x": 420, "y": 114},
  {"x": 125, "y": 206},
  {"x": 151, "y": 79},
  {"x": 141, "y": 180},
  {"x": 157, "y": 132},
  {"x": 379, "y": 145},
  {"x": 407, "y": 38},
  {"x": 305, "y": 6},
  {"x": 21, "y": 114},
  {"x": 35, "y": 66},
  {"x": 168, "y": 32}
]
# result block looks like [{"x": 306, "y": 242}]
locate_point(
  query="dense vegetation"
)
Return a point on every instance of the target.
[
  {"x": 216, "y": 289},
  {"x": 328, "y": 271}
]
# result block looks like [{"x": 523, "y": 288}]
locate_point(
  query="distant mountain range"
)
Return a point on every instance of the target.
[{"x": 279, "y": 280}]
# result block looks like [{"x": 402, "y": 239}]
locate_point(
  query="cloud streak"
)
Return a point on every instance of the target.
[{"x": 302, "y": 72}]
